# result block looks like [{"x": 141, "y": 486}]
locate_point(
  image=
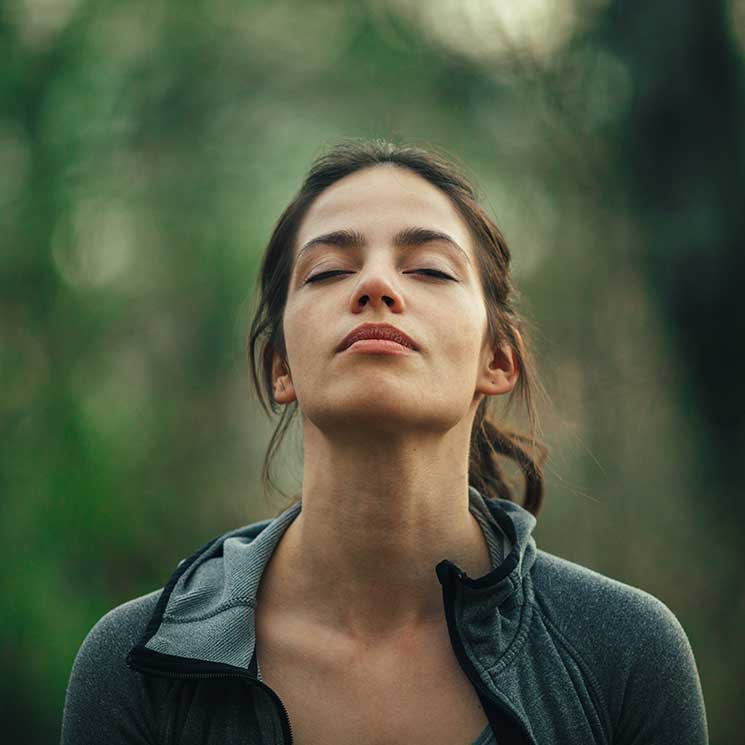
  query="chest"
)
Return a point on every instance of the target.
[{"x": 409, "y": 693}]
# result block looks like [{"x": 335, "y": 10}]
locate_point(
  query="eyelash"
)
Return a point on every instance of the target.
[{"x": 325, "y": 275}]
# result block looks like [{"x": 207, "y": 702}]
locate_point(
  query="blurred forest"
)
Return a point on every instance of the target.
[{"x": 146, "y": 149}]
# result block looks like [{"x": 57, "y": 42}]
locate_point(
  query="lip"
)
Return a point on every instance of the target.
[
  {"x": 379, "y": 331},
  {"x": 377, "y": 346}
]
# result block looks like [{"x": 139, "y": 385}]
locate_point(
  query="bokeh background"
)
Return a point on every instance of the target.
[{"x": 146, "y": 149}]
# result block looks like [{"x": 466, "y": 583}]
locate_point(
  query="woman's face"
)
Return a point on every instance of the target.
[{"x": 432, "y": 388}]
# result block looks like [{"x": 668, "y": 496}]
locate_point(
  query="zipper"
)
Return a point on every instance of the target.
[
  {"x": 166, "y": 666},
  {"x": 511, "y": 731}
]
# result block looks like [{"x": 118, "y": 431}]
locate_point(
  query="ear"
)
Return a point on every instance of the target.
[
  {"x": 499, "y": 369},
  {"x": 282, "y": 388}
]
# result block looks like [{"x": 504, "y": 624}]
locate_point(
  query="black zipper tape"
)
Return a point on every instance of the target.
[{"x": 507, "y": 727}]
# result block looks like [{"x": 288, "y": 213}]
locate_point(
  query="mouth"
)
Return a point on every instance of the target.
[{"x": 379, "y": 332}]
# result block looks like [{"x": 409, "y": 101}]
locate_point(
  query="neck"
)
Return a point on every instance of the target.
[{"x": 375, "y": 521}]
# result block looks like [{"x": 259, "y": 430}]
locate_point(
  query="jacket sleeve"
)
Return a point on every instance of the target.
[
  {"x": 663, "y": 702},
  {"x": 106, "y": 701}
]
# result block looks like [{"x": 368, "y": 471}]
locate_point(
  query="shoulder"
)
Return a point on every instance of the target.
[
  {"x": 567, "y": 590},
  {"x": 576, "y": 599},
  {"x": 104, "y": 696},
  {"x": 627, "y": 640},
  {"x": 122, "y": 626}
]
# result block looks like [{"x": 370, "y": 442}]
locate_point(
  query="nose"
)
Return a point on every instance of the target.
[{"x": 376, "y": 287}]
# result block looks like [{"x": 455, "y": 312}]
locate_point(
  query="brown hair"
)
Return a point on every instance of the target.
[{"x": 488, "y": 440}]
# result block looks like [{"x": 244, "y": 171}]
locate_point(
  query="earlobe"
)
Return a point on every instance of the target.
[
  {"x": 506, "y": 364},
  {"x": 282, "y": 384},
  {"x": 510, "y": 367},
  {"x": 502, "y": 372},
  {"x": 283, "y": 392}
]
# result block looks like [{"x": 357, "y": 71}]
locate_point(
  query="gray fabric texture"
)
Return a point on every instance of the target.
[{"x": 570, "y": 655}]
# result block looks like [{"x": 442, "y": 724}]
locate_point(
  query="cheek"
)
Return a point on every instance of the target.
[
  {"x": 292, "y": 337},
  {"x": 460, "y": 346},
  {"x": 462, "y": 332},
  {"x": 306, "y": 336},
  {"x": 460, "y": 356}
]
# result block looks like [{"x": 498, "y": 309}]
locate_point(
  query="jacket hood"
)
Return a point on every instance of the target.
[{"x": 206, "y": 611}]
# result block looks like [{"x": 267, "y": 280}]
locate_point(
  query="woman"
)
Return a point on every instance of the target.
[{"x": 401, "y": 598}]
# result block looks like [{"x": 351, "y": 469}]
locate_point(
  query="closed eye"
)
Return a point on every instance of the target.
[{"x": 430, "y": 272}]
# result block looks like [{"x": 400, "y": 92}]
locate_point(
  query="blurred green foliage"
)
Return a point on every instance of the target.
[{"x": 146, "y": 149}]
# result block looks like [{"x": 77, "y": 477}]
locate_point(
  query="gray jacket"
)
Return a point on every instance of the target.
[{"x": 557, "y": 653}]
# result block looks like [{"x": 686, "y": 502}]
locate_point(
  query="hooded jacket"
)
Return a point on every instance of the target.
[{"x": 557, "y": 652}]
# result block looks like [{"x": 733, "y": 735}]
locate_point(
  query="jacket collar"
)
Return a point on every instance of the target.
[{"x": 206, "y": 612}]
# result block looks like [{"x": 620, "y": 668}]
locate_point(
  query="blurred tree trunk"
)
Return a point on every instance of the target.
[{"x": 684, "y": 151}]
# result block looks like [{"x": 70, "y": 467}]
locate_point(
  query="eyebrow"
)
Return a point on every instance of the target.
[{"x": 414, "y": 236}]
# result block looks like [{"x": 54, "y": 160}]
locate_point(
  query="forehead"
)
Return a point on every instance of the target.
[{"x": 379, "y": 200}]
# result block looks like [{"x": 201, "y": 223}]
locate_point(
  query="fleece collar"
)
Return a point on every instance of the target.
[{"x": 206, "y": 611}]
